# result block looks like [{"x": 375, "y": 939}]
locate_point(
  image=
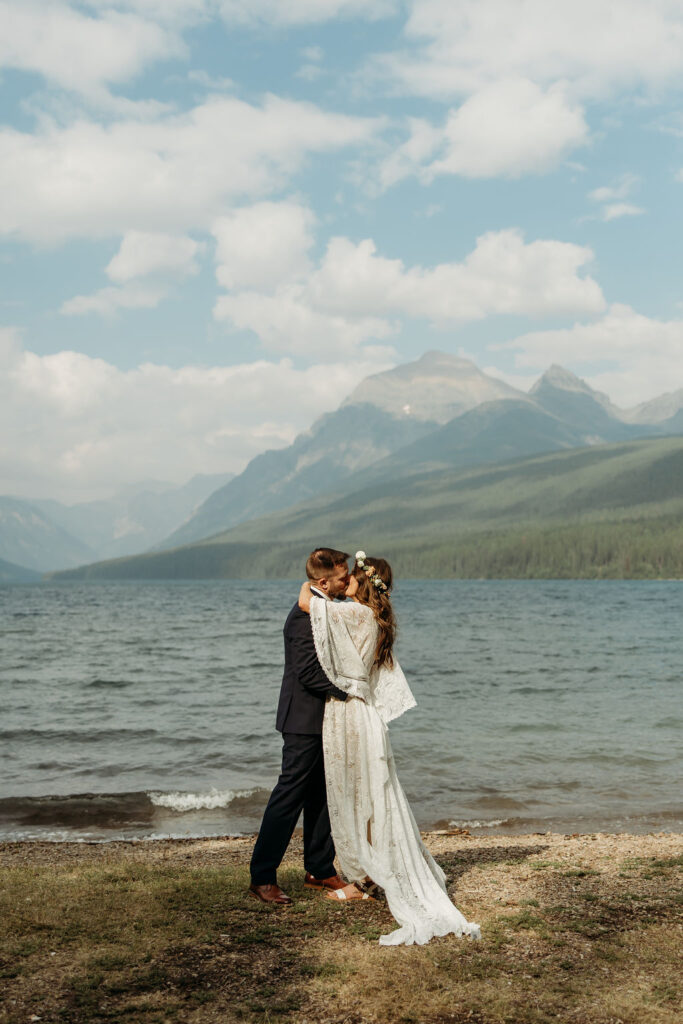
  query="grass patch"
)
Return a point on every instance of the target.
[{"x": 124, "y": 935}]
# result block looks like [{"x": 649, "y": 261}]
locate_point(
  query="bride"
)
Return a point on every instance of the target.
[{"x": 374, "y": 830}]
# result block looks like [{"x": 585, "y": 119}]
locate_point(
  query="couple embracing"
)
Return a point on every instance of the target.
[{"x": 341, "y": 687}]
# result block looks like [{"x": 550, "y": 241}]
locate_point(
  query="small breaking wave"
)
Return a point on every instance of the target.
[
  {"x": 136, "y": 812},
  {"x": 475, "y": 823},
  {"x": 215, "y": 798}
]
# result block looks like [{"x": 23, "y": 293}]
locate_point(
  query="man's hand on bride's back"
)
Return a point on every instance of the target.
[{"x": 305, "y": 597}]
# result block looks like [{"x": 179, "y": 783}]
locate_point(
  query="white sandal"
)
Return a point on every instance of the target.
[{"x": 340, "y": 894}]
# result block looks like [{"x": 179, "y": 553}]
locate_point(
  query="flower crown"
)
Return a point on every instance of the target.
[{"x": 369, "y": 571}]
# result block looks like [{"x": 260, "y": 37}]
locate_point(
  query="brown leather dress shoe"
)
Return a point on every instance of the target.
[
  {"x": 333, "y": 882},
  {"x": 270, "y": 894}
]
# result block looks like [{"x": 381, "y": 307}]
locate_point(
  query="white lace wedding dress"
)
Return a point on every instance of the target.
[{"x": 373, "y": 828}]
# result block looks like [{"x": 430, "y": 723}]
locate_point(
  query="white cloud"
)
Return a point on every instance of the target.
[
  {"x": 215, "y": 83},
  {"x": 142, "y": 254},
  {"x": 313, "y": 53},
  {"x": 355, "y": 295},
  {"x": 612, "y": 198},
  {"x": 287, "y": 322},
  {"x": 76, "y": 50},
  {"x": 503, "y": 274},
  {"x": 309, "y": 72},
  {"x": 620, "y": 189},
  {"x": 262, "y": 245},
  {"x": 87, "y": 46},
  {"x": 629, "y": 356},
  {"x": 154, "y": 252},
  {"x": 509, "y": 128},
  {"x": 596, "y": 49},
  {"x": 79, "y": 428},
  {"x": 301, "y": 12},
  {"x": 612, "y": 211},
  {"x": 311, "y": 69},
  {"x": 173, "y": 174},
  {"x": 411, "y": 156},
  {"x": 167, "y": 11},
  {"x": 523, "y": 73},
  {"x": 108, "y": 301}
]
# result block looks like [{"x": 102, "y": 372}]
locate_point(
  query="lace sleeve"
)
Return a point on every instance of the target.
[
  {"x": 389, "y": 690},
  {"x": 345, "y": 636},
  {"x": 340, "y": 633},
  {"x": 391, "y": 694}
]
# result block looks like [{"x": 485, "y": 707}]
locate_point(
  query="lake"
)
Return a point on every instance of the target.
[{"x": 138, "y": 709}]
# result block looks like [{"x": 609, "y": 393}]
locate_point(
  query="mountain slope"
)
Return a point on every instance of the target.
[
  {"x": 636, "y": 478},
  {"x": 10, "y": 573},
  {"x": 338, "y": 443},
  {"x": 423, "y": 520},
  {"x": 31, "y": 539},
  {"x": 139, "y": 516},
  {"x": 492, "y": 432},
  {"x": 385, "y": 412},
  {"x": 672, "y": 425},
  {"x": 562, "y": 412},
  {"x": 657, "y": 410},
  {"x": 571, "y": 400}
]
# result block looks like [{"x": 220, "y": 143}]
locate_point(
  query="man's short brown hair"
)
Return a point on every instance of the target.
[{"x": 323, "y": 561}]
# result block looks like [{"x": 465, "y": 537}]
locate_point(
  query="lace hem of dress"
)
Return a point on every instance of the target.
[{"x": 409, "y": 936}]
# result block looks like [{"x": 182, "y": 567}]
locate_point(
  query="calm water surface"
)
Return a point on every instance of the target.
[{"x": 146, "y": 709}]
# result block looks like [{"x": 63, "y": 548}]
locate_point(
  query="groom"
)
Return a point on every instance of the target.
[{"x": 301, "y": 785}]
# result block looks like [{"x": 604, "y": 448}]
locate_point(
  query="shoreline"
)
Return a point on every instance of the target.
[
  {"x": 234, "y": 845},
  {"x": 90, "y": 823},
  {"x": 497, "y": 830},
  {"x": 155, "y": 816}
]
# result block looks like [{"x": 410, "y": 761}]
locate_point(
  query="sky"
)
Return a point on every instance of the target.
[{"x": 218, "y": 216}]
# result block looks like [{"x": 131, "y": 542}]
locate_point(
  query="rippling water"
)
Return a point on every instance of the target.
[{"x": 143, "y": 709}]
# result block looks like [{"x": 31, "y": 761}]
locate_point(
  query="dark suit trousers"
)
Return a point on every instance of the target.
[{"x": 301, "y": 787}]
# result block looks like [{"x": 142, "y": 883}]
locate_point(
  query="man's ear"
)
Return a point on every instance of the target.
[{"x": 322, "y": 584}]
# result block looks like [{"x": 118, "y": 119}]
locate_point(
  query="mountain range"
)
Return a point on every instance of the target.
[
  {"x": 10, "y": 573},
  {"x": 441, "y": 408},
  {"x": 612, "y": 509},
  {"x": 42, "y": 534},
  {"x": 406, "y": 437}
]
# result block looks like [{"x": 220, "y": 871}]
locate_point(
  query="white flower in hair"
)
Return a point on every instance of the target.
[{"x": 360, "y": 555}]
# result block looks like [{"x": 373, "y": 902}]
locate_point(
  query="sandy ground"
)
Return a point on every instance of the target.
[
  {"x": 594, "y": 850},
  {"x": 581, "y": 928}
]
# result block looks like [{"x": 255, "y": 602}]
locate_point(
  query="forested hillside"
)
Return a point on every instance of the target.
[{"x": 612, "y": 510}]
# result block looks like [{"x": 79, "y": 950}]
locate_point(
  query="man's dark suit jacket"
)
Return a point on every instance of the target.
[{"x": 304, "y": 684}]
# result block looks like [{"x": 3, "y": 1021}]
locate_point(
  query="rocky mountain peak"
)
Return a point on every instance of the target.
[
  {"x": 558, "y": 378},
  {"x": 436, "y": 387},
  {"x": 657, "y": 410}
]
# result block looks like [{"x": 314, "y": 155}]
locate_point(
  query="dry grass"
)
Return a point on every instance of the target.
[{"x": 581, "y": 929}]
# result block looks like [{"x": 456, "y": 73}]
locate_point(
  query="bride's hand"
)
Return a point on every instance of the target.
[{"x": 305, "y": 597}]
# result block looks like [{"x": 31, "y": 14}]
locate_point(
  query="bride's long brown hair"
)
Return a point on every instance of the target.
[{"x": 380, "y": 602}]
